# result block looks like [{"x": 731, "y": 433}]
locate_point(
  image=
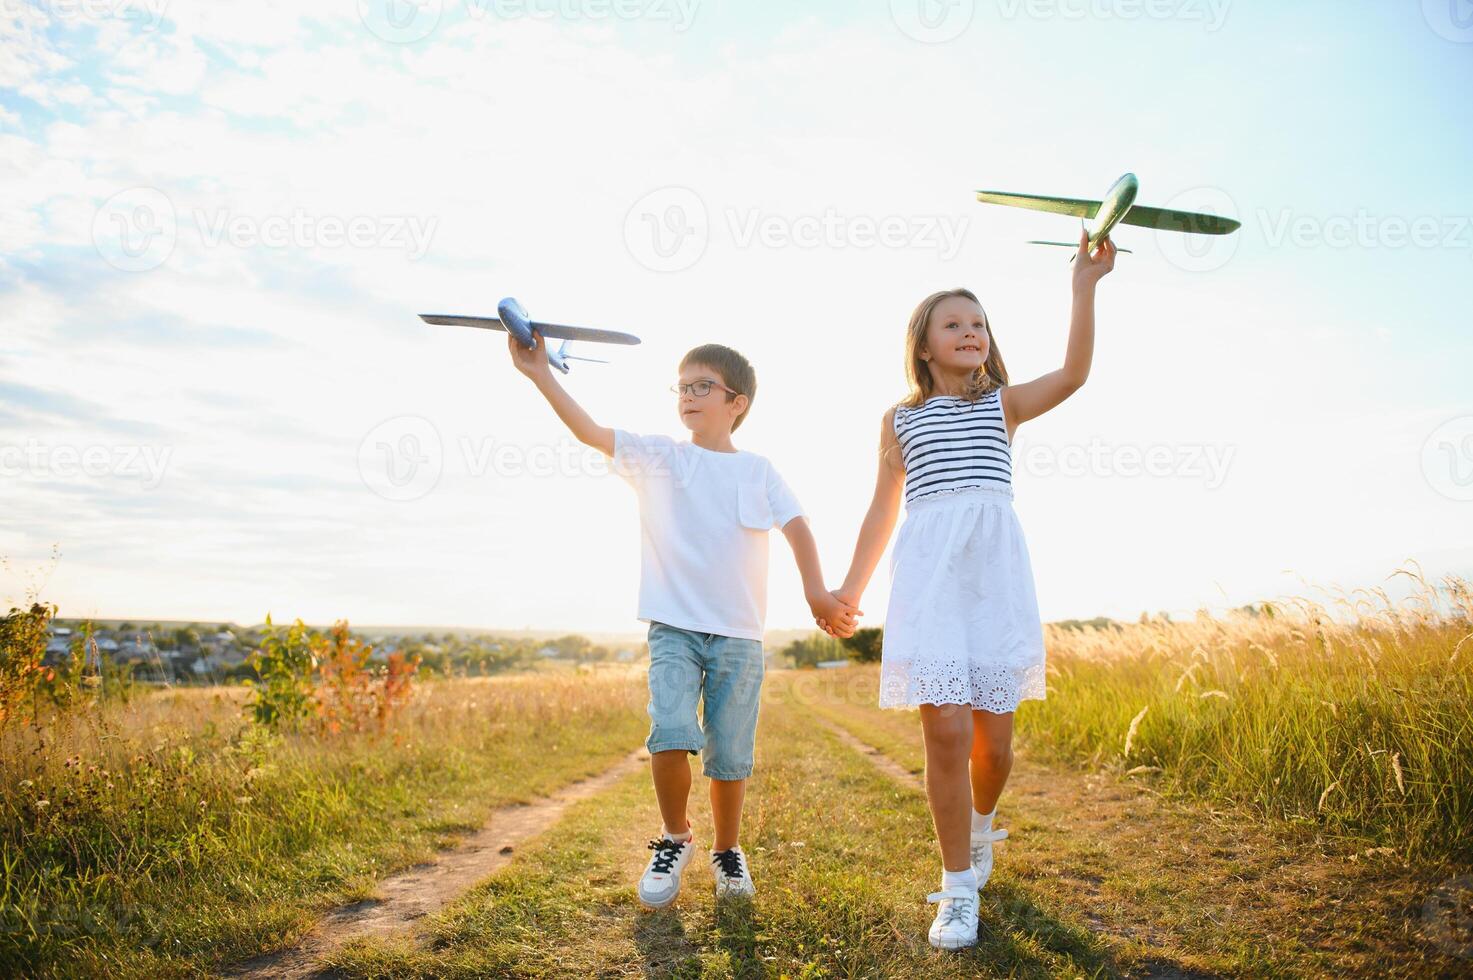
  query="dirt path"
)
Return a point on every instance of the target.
[
  {"x": 882, "y": 762},
  {"x": 1165, "y": 884},
  {"x": 416, "y": 892}
]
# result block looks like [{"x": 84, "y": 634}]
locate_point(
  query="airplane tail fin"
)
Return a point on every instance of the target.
[
  {"x": 562, "y": 352},
  {"x": 1073, "y": 245}
]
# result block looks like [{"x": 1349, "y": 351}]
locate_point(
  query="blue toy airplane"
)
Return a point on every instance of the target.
[{"x": 512, "y": 318}]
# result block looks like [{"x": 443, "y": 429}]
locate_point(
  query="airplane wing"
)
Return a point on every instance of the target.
[
  {"x": 1140, "y": 215},
  {"x": 546, "y": 329},
  {"x": 1183, "y": 221},
  {"x": 1074, "y": 207}
]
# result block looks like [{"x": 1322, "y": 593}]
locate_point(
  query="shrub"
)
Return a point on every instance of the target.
[
  {"x": 326, "y": 682},
  {"x": 864, "y": 646},
  {"x": 350, "y": 693},
  {"x": 23, "y": 637},
  {"x": 284, "y": 664}
]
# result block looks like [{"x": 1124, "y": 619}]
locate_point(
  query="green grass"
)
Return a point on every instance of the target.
[
  {"x": 163, "y": 838},
  {"x": 1295, "y": 788},
  {"x": 1163, "y": 877},
  {"x": 841, "y": 856}
]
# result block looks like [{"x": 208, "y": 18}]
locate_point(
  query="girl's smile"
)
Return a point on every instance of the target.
[{"x": 956, "y": 338}]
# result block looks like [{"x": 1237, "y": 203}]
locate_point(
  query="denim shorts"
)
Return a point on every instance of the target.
[{"x": 723, "y": 673}]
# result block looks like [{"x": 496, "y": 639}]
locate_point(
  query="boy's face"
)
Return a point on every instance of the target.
[{"x": 710, "y": 414}]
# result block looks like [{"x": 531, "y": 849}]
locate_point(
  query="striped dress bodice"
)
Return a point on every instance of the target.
[{"x": 950, "y": 443}]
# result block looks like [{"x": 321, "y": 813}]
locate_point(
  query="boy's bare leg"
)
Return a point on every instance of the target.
[
  {"x": 671, "y": 772},
  {"x": 726, "y": 811}
]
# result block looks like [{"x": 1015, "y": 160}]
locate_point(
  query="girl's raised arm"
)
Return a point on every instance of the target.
[
  {"x": 879, "y": 521},
  {"x": 1032, "y": 398}
]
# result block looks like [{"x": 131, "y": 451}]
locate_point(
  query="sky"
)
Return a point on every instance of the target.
[{"x": 219, "y": 221}]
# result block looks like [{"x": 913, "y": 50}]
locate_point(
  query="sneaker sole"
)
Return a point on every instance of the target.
[
  {"x": 658, "y": 905},
  {"x": 953, "y": 944}
]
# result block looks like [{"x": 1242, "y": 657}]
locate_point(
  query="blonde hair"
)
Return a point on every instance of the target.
[{"x": 991, "y": 375}]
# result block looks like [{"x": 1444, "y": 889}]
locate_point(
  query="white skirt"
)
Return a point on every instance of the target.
[{"x": 962, "y": 626}]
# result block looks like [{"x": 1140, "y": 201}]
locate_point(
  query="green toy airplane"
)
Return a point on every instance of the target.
[{"x": 1118, "y": 207}]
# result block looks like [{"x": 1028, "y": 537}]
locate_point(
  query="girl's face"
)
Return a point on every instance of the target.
[{"x": 956, "y": 340}]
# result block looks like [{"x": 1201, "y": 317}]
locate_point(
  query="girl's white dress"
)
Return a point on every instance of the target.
[{"x": 962, "y": 625}]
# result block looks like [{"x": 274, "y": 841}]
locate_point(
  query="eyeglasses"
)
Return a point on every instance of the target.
[{"x": 700, "y": 388}]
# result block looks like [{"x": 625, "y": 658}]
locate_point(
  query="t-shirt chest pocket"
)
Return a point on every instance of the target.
[{"x": 753, "y": 509}]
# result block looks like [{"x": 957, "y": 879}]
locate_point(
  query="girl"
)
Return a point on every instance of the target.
[{"x": 962, "y": 637}]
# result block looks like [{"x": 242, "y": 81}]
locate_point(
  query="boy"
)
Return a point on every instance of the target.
[{"x": 705, "y": 509}]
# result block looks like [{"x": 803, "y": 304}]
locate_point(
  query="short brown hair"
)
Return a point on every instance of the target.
[{"x": 735, "y": 370}]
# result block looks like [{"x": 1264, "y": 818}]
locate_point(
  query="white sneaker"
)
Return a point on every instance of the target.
[
  {"x": 733, "y": 878},
  {"x": 661, "y": 881},
  {"x": 982, "y": 841},
  {"x": 956, "y": 918}
]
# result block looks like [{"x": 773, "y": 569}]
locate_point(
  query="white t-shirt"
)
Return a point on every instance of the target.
[{"x": 704, "y": 518}]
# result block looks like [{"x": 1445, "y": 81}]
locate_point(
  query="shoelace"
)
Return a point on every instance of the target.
[
  {"x": 729, "y": 861},
  {"x": 666, "y": 851},
  {"x": 956, "y": 904},
  {"x": 987, "y": 837}
]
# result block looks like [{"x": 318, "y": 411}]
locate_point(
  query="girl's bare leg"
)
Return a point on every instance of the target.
[
  {"x": 948, "y": 735},
  {"x": 992, "y": 757}
]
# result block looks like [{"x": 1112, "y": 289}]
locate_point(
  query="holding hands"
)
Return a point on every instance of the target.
[{"x": 836, "y": 613}]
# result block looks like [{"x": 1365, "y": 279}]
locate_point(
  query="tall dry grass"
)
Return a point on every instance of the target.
[
  {"x": 166, "y": 832},
  {"x": 1353, "y": 713}
]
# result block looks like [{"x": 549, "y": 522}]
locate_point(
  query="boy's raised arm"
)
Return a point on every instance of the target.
[{"x": 533, "y": 363}]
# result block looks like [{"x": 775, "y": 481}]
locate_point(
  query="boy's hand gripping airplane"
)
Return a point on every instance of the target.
[
  {"x": 512, "y": 318},
  {"x": 1118, "y": 207}
]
